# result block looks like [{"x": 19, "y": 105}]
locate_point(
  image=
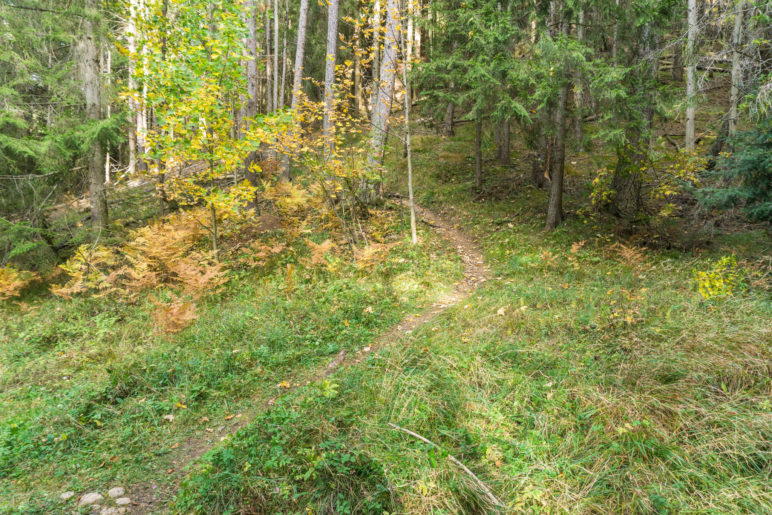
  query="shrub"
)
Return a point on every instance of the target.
[
  {"x": 722, "y": 280},
  {"x": 743, "y": 178}
]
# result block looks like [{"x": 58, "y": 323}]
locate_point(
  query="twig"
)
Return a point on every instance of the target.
[{"x": 460, "y": 465}]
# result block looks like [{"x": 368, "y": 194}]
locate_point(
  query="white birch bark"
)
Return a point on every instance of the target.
[
  {"x": 329, "y": 74},
  {"x": 299, "y": 54},
  {"x": 276, "y": 77},
  {"x": 385, "y": 85},
  {"x": 408, "y": 53}
]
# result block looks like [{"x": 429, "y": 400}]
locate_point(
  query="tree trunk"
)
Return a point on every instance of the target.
[
  {"x": 678, "y": 63},
  {"x": 253, "y": 92},
  {"x": 283, "y": 85},
  {"x": 359, "y": 104},
  {"x": 268, "y": 64},
  {"x": 108, "y": 70},
  {"x": 737, "y": 35},
  {"x": 385, "y": 86},
  {"x": 276, "y": 77},
  {"x": 558, "y": 157},
  {"x": 88, "y": 54},
  {"x": 555, "y": 207},
  {"x": 579, "y": 89},
  {"x": 297, "y": 80},
  {"x": 504, "y": 142},
  {"x": 131, "y": 44},
  {"x": 448, "y": 128},
  {"x": 407, "y": 52},
  {"x": 299, "y": 54},
  {"x": 376, "y": 62},
  {"x": 329, "y": 76},
  {"x": 478, "y": 153},
  {"x": 691, "y": 76}
]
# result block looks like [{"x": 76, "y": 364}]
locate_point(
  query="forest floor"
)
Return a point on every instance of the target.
[
  {"x": 578, "y": 370},
  {"x": 152, "y": 498}
]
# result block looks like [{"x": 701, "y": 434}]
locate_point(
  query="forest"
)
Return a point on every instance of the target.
[{"x": 385, "y": 256}]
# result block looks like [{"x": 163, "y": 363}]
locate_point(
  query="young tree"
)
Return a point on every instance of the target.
[{"x": 407, "y": 52}]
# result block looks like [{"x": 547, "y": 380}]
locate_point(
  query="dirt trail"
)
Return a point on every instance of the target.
[{"x": 151, "y": 498}]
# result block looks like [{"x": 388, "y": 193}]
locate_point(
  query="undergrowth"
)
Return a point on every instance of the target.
[
  {"x": 97, "y": 390},
  {"x": 589, "y": 375}
]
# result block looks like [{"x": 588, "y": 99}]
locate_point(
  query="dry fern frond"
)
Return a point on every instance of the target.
[
  {"x": 257, "y": 254},
  {"x": 199, "y": 275},
  {"x": 319, "y": 251},
  {"x": 631, "y": 256},
  {"x": 371, "y": 255},
  {"x": 174, "y": 316}
]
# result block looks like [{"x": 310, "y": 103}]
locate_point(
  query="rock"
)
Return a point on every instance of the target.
[
  {"x": 123, "y": 501},
  {"x": 112, "y": 511},
  {"x": 67, "y": 495},
  {"x": 116, "y": 492},
  {"x": 90, "y": 498}
]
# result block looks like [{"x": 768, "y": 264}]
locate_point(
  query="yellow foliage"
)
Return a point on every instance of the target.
[
  {"x": 160, "y": 254},
  {"x": 13, "y": 281},
  {"x": 722, "y": 280},
  {"x": 91, "y": 268}
]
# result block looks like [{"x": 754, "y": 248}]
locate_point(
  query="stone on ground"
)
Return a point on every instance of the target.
[{"x": 90, "y": 498}]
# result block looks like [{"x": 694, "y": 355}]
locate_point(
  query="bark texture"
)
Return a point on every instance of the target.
[{"x": 88, "y": 56}]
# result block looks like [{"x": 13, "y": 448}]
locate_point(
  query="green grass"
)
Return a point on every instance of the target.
[
  {"x": 86, "y": 384},
  {"x": 578, "y": 379}
]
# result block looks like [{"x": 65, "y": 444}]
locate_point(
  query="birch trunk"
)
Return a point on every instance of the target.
[
  {"x": 299, "y": 54},
  {"x": 268, "y": 65},
  {"x": 376, "y": 62},
  {"x": 283, "y": 85},
  {"x": 108, "y": 70},
  {"x": 407, "y": 52},
  {"x": 131, "y": 44},
  {"x": 691, "y": 76},
  {"x": 385, "y": 85},
  {"x": 88, "y": 56},
  {"x": 253, "y": 90},
  {"x": 329, "y": 75},
  {"x": 276, "y": 55},
  {"x": 297, "y": 80}
]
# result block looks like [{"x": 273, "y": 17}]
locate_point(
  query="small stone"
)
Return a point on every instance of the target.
[
  {"x": 123, "y": 501},
  {"x": 112, "y": 511},
  {"x": 116, "y": 492},
  {"x": 90, "y": 498},
  {"x": 67, "y": 495}
]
